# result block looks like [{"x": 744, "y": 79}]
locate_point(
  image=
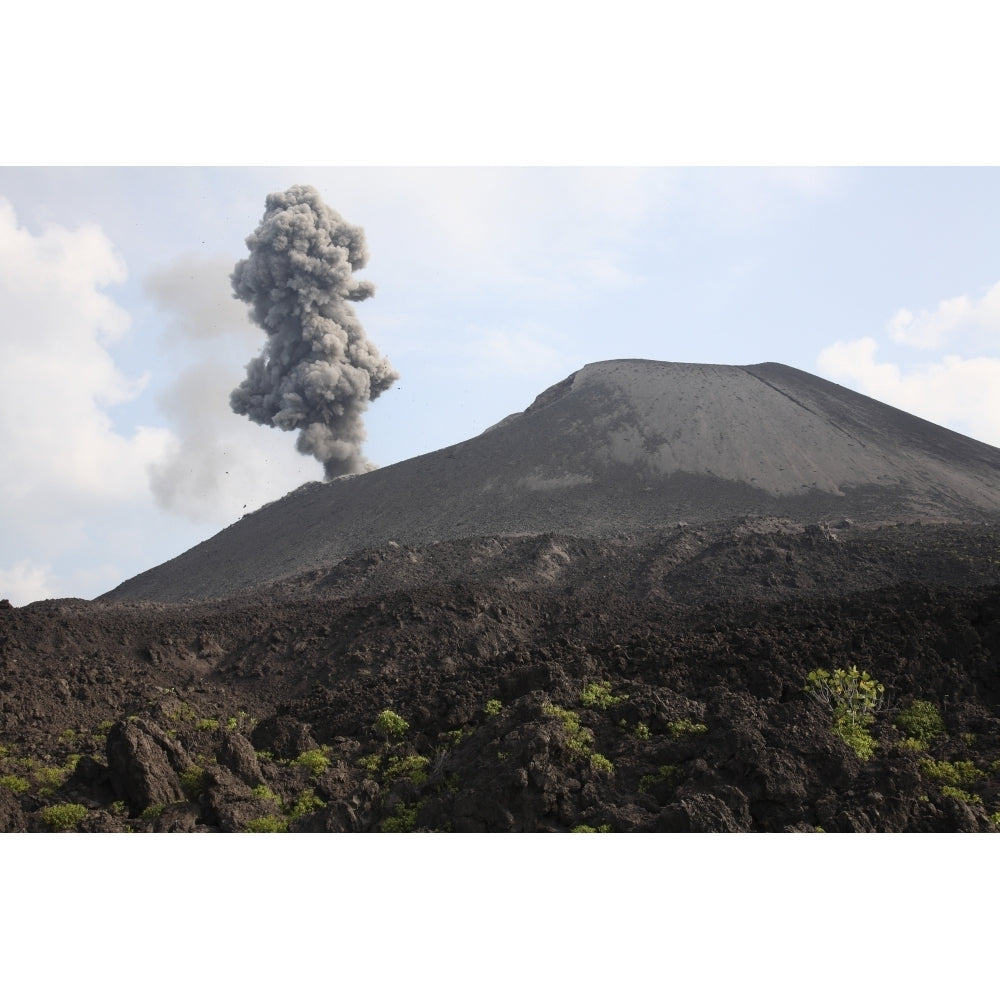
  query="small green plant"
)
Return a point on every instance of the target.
[
  {"x": 391, "y": 726},
  {"x": 371, "y": 763},
  {"x": 961, "y": 794},
  {"x": 921, "y": 721},
  {"x": 17, "y": 785},
  {"x": 68, "y": 736},
  {"x": 4, "y": 751},
  {"x": 263, "y": 792},
  {"x": 63, "y": 817},
  {"x": 668, "y": 774},
  {"x": 413, "y": 767},
  {"x": 193, "y": 781},
  {"x": 265, "y": 755},
  {"x": 584, "y": 828},
  {"x": 316, "y": 760},
  {"x": 103, "y": 728},
  {"x": 853, "y": 697},
  {"x": 456, "y": 736},
  {"x": 642, "y": 731},
  {"x": 578, "y": 738},
  {"x": 969, "y": 738},
  {"x": 685, "y": 727},
  {"x": 403, "y": 820},
  {"x": 267, "y": 824},
  {"x": 118, "y": 808},
  {"x": 994, "y": 818},
  {"x": 49, "y": 779},
  {"x": 152, "y": 812},
  {"x": 307, "y": 802},
  {"x": 207, "y": 725},
  {"x": 494, "y": 707},
  {"x": 857, "y": 738},
  {"x": 912, "y": 743},
  {"x": 602, "y": 763},
  {"x": 955, "y": 773},
  {"x": 598, "y": 695},
  {"x": 241, "y": 720}
]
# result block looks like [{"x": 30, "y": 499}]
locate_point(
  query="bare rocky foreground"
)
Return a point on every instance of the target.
[{"x": 569, "y": 655}]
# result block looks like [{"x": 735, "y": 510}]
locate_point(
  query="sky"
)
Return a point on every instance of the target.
[
  {"x": 498, "y": 269},
  {"x": 122, "y": 339}
]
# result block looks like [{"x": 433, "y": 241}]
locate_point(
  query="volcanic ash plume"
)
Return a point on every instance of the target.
[{"x": 317, "y": 370}]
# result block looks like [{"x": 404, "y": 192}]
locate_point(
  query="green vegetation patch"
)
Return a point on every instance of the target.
[
  {"x": 16, "y": 784},
  {"x": 267, "y": 824},
  {"x": 920, "y": 721},
  {"x": 493, "y": 707},
  {"x": 685, "y": 727},
  {"x": 598, "y": 695},
  {"x": 853, "y": 696},
  {"x": 956, "y": 773},
  {"x": 403, "y": 820},
  {"x": 63, "y": 817},
  {"x": 391, "y": 726},
  {"x": 316, "y": 760}
]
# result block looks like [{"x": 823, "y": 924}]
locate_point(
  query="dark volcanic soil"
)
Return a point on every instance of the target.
[{"x": 644, "y": 682}]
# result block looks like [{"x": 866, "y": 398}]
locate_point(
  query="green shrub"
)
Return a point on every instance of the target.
[
  {"x": 955, "y": 773},
  {"x": 602, "y": 763},
  {"x": 685, "y": 727},
  {"x": 668, "y": 773},
  {"x": 584, "y": 828},
  {"x": 642, "y": 731},
  {"x": 263, "y": 792},
  {"x": 307, "y": 802},
  {"x": 17, "y": 785},
  {"x": 494, "y": 707},
  {"x": 413, "y": 767},
  {"x": 316, "y": 760},
  {"x": 598, "y": 695},
  {"x": 207, "y": 725},
  {"x": 857, "y": 738},
  {"x": 49, "y": 779},
  {"x": 267, "y": 824},
  {"x": 403, "y": 820},
  {"x": 578, "y": 738},
  {"x": 193, "y": 781},
  {"x": 912, "y": 743},
  {"x": 850, "y": 694},
  {"x": 152, "y": 812},
  {"x": 63, "y": 817},
  {"x": 391, "y": 726},
  {"x": 961, "y": 794},
  {"x": 921, "y": 721},
  {"x": 853, "y": 697}
]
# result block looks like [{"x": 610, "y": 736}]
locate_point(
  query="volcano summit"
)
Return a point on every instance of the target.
[{"x": 619, "y": 446}]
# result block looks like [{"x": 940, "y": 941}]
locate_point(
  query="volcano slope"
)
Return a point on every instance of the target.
[{"x": 602, "y": 613}]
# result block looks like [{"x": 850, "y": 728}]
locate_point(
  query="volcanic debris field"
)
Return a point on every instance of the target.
[{"x": 623, "y": 675}]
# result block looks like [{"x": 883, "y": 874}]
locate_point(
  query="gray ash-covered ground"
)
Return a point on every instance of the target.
[{"x": 645, "y": 682}]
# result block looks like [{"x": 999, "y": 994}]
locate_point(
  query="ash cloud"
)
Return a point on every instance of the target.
[{"x": 317, "y": 371}]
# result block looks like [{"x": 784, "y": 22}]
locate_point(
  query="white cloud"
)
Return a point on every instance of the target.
[
  {"x": 955, "y": 392},
  {"x": 25, "y": 582},
  {"x": 933, "y": 328},
  {"x": 58, "y": 378},
  {"x": 71, "y": 481}
]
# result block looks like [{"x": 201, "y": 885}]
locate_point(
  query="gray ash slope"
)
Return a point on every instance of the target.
[{"x": 619, "y": 446}]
